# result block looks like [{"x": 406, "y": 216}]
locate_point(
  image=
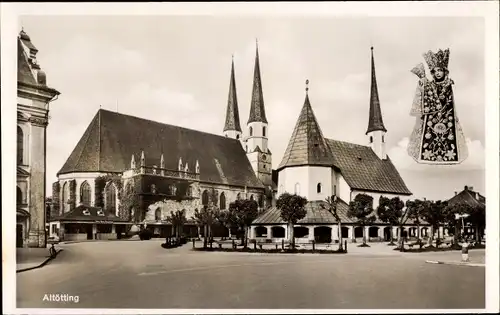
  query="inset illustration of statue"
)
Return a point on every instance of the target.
[{"x": 437, "y": 137}]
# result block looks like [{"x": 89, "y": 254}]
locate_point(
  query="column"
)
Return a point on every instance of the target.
[
  {"x": 335, "y": 233},
  {"x": 381, "y": 232},
  {"x": 311, "y": 233},
  {"x": 441, "y": 231},
  {"x": 367, "y": 233},
  {"x": 94, "y": 231},
  {"x": 286, "y": 231},
  {"x": 113, "y": 228},
  {"x": 252, "y": 232},
  {"x": 269, "y": 232},
  {"x": 395, "y": 232},
  {"x": 350, "y": 233}
]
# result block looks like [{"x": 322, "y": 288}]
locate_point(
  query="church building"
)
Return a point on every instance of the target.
[
  {"x": 33, "y": 99},
  {"x": 317, "y": 167},
  {"x": 127, "y": 171}
]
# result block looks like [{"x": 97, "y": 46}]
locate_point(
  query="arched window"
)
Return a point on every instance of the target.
[
  {"x": 237, "y": 137},
  {"x": 264, "y": 131},
  {"x": 371, "y": 139},
  {"x": 85, "y": 193},
  {"x": 204, "y": 198},
  {"x": 251, "y": 131},
  {"x": 65, "y": 197},
  {"x": 158, "y": 214},
  {"x": 251, "y": 197},
  {"x": 222, "y": 201},
  {"x": 238, "y": 196},
  {"x": 318, "y": 188},
  {"x": 297, "y": 189},
  {"x": 383, "y": 139},
  {"x": 110, "y": 192},
  {"x": 20, "y": 144},
  {"x": 19, "y": 196}
]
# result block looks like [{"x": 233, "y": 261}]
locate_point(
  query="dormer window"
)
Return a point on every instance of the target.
[
  {"x": 86, "y": 212},
  {"x": 100, "y": 213}
]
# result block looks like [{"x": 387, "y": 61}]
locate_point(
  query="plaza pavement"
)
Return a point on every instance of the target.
[{"x": 124, "y": 274}]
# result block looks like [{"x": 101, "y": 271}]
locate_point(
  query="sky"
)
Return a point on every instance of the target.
[{"x": 176, "y": 70}]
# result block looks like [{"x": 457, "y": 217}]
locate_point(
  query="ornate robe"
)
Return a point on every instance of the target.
[{"x": 437, "y": 137}]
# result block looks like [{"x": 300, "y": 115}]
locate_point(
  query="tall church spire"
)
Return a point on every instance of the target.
[
  {"x": 232, "y": 113},
  {"x": 375, "y": 121},
  {"x": 257, "y": 110}
]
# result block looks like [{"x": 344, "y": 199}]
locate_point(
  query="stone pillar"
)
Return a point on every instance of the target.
[
  {"x": 311, "y": 233},
  {"x": 335, "y": 232},
  {"x": 269, "y": 232},
  {"x": 286, "y": 231},
  {"x": 441, "y": 231},
  {"x": 94, "y": 231},
  {"x": 350, "y": 233},
  {"x": 381, "y": 232},
  {"x": 113, "y": 228},
  {"x": 367, "y": 233},
  {"x": 252, "y": 232}
]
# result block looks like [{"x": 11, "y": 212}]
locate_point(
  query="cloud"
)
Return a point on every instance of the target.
[{"x": 474, "y": 162}]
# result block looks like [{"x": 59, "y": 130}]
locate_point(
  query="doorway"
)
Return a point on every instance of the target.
[{"x": 89, "y": 231}]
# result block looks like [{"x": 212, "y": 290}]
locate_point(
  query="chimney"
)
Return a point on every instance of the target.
[
  {"x": 465, "y": 187},
  {"x": 456, "y": 193}
]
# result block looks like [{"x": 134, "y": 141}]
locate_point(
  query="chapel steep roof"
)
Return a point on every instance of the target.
[{"x": 307, "y": 146}]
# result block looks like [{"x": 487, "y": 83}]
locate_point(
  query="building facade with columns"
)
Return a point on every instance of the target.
[
  {"x": 316, "y": 167},
  {"x": 33, "y": 99},
  {"x": 141, "y": 171}
]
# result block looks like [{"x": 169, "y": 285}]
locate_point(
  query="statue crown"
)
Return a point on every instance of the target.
[
  {"x": 419, "y": 70},
  {"x": 439, "y": 59}
]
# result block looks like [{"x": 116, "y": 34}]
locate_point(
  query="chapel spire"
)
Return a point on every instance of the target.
[
  {"x": 257, "y": 110},
  {"x": 232, "y": 113},
  {"x": 375, "y": 121}
]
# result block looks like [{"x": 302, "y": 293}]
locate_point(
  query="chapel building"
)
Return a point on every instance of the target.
[{"x": 317, "y": 167}]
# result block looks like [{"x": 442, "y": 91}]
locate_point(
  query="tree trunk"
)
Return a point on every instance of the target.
[
  {"x": 199, "y": 231},
  {"x": 456, "y": 235},
  {"x": 291, "y": 236},
  {"x": 418, "y": 232},
  {"x": 340, "y": 236},
  {"x": 401, "y": 240},
  {"x": 391, "y": 235},
  {"x": 245, "y": 237},
  {"x": 431, "y": 236}
]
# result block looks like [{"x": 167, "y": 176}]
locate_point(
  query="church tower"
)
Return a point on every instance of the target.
[
  {"x": 376, "y": 130},
  {"x": 257, "y": 137},
  {"x": 232, "y": 127}
]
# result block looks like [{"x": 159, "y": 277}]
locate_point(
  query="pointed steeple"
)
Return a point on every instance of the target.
[
  {"x": 307, "y": 146},
  {"x": 375, "y": 121},
  {"x": 232, "y": 113},
  {"x": 257, "y": 110}
]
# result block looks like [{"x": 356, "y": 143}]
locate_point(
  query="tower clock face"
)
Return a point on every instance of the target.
[{"x": 264, "y": 157}]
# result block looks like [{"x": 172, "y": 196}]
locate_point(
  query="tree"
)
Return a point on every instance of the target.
[
  {"x": 292, "y": 209},
  {"x": 242, "y": 213},
  {"x": 416, "y": 209},
  {"x": 478, "y": 219},
  {"x": 178, "y": 219},
  {"x": 226, "y": 219},
  {"x": 361, "y": 208},
  {"x": 331, "y": 206},
  {"x": 433, "y": 213},
  {"x": 204, "y": 217},
  {"x": 451, "y": 220},
  {"x": 390, "y": 211}
]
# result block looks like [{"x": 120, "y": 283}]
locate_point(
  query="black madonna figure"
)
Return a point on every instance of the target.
[{"x": 437, "y": 137}]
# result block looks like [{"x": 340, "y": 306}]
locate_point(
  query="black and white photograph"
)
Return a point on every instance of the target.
[{"x": 250, "y": 157}]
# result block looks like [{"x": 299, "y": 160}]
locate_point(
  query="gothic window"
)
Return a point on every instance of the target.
[
  {"x": 204, "y": 198},
  {"x": 158, "y": 214},
  {"x": 222, "y": 201},
  {"x": 264, "y": 131},
  {"x": 238, "y": 196},
  {"x": 251, "y": 131},
  {"x": 335, "y": 190},
  {"x": 20, "y": 143},
  {"x": 297, "y": 189},
  {"x": 318, "y": 188},
  {"x": 110, "y": 192},
  {"x": 251, "y": 197},
  {"x": 85, "y": 193},
  {"x": 19, "y": 196},
  {"x": 371, "y": 139}
]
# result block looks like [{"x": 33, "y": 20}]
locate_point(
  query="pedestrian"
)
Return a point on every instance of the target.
[{"x": 465, "y": 251}]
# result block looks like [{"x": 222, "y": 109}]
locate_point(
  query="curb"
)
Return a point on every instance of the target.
[
  {"x": 40, "y": 265},
  {"x": 455, "y": 263}
]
